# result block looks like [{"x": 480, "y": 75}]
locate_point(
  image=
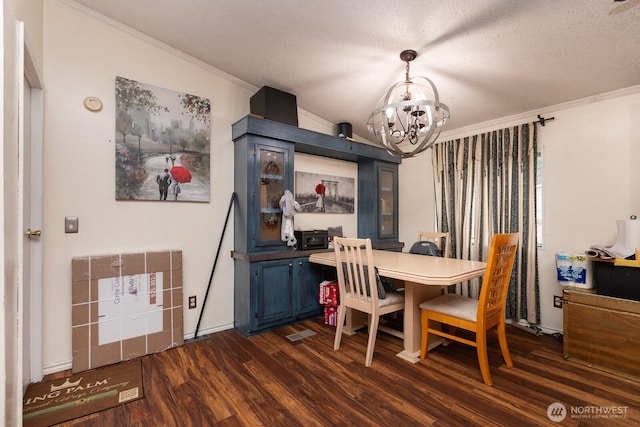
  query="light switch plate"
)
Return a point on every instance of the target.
[{"x": 71, "y": 224}]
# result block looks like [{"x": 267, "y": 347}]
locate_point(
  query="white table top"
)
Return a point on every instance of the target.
[{"x": 426, "y": 270}]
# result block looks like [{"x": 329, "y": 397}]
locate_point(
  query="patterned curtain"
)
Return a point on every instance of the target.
[{"x": 485, "y": 184}]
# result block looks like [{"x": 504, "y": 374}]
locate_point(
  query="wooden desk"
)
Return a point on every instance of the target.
[{"x": 416, "y": 271}]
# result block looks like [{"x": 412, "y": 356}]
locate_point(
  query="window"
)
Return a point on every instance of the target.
[{"x": 539, "y": 220}]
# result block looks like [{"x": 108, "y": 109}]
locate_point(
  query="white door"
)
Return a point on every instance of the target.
[{"x": 30, "y": 154}]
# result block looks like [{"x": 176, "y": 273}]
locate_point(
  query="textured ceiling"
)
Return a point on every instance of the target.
[{"x": 489, "y": 59}]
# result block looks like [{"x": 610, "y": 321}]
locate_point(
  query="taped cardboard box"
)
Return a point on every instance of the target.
[{"x": 125, "y": 306}]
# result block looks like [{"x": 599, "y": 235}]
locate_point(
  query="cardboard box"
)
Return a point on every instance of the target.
[
  {"x": 331, "y": 315},
  {"x": 125, "y": 306},
  {"x": 328, "y": 293}
]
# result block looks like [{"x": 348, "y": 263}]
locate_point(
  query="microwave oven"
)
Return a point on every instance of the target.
[{"x": 311, "y": 239}]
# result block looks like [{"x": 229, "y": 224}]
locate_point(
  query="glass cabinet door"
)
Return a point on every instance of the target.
[
  {"x": 272, "y": 170},
  {"x": 387, "y": 203}
]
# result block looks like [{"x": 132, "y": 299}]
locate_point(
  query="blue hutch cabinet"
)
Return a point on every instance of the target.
[{"x": 276, "y": 284}]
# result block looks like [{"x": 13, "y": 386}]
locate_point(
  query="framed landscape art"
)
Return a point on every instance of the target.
[
  {"x": 162, "y": 144},
  {"x": 324, "y": 193}
]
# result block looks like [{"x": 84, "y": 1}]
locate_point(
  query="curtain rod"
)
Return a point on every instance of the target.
[
  {"x": 543, "y": 120},
  {"x": 458, "y": 134}
]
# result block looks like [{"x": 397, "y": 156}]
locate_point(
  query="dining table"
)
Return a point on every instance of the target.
[{"x": 422, "y": 277}]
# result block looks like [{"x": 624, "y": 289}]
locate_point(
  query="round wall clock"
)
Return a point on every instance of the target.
[{"x": 92, "y": 103}]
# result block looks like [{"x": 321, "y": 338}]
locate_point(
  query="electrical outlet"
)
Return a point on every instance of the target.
[
  {"x": 192, "y": 302},
  {"x": 557, "y": 301}
]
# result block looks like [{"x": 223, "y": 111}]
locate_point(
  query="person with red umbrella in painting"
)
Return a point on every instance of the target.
[
  {"x": 175, "y": 189},
  {"x": 180, "y": 175},
  {"x": 320, "y": 190}
]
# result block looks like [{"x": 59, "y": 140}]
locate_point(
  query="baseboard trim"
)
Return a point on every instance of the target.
[{"x": 68, "y": 364}]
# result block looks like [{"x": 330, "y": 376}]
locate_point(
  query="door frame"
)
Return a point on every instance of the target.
[{"x": 28, "y": 70}]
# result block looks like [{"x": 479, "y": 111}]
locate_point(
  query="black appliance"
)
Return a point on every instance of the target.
[{"x": 311, "y": 239}]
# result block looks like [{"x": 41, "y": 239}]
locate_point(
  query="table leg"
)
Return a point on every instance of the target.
[
  {"x": 355, "y": 320},
  {"x": 414, "y": 295}
]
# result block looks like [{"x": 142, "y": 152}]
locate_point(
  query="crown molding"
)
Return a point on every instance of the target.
[{"x": 532, "y": 116}]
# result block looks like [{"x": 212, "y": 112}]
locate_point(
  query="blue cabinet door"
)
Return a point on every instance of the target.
[
  {"x": 307, "y": 278},
  {"x": 378, "y": 201},
  {"x": 263, "y": 171},
  {"x": 272, "y": 292},
  {"x": 387, "y": 178}
]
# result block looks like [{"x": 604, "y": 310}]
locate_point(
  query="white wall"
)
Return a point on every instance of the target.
[
  {"x": 83, "y": 56},
  {"x": 590, "y": 158},
  {"x": 590, "y": 175},
  {"x": 320, "y": 221}
]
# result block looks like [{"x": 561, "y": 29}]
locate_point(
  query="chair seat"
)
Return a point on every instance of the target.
[
  {"x": 393, "y": 297},
  {"x": 453, "y": 305}
]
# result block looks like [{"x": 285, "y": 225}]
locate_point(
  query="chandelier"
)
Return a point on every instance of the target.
[{"x": 409, "y": 117}]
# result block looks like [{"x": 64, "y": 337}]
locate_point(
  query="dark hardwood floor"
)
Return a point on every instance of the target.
[{"x": 226, "y": 379}]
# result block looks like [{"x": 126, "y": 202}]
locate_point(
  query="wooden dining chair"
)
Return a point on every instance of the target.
[
  {"x": 480, "y": 315},
  {"x": 440, "y": 239},
  {"x": 360, "y": 289}
]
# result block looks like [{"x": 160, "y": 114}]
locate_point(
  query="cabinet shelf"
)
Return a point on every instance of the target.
[{"x": 264, "y": 177}]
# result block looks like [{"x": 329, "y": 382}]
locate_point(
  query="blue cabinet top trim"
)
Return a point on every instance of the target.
[{"x": 310, "y": 142}]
